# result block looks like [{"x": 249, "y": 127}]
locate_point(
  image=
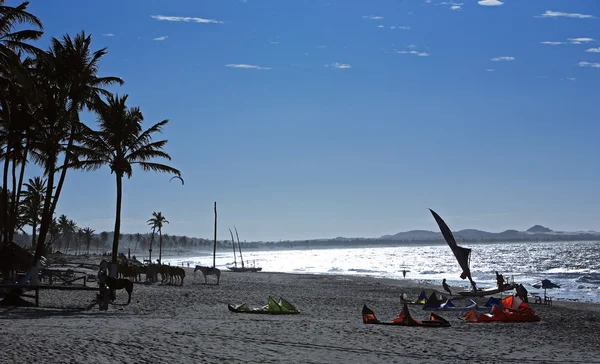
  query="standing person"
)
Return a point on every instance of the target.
[
  {"x": 499, "y": 280},
  {"x": 446, "y": 286},
  {"x": 522, "y": 293},
  {"x": 102, "y": 274},
  {"x": 404, "y": 273}
]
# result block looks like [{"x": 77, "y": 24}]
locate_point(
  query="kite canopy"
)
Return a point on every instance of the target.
[
  {"x": 178, "y": 177},
  {"x": 272, "y": 307},
  {"x": 511, "y": 309},
  {"x": 404, "y": 319},
  {"x": 422, "y": 299}
]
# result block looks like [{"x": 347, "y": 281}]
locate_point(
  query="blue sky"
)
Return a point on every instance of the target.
[{"x": 324, "y": 118}]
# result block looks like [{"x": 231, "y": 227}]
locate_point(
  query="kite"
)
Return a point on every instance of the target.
[{"x": 182, "y": 182}]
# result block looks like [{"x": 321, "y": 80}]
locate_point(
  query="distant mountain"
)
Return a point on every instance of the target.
[
  {"x": 537, "y": 232},
  {"x": 538, "y": 229},
  {"x": 413, "y": 235}
]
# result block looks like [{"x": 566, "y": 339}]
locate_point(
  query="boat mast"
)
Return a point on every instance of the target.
[
  {"x": 239, "y": 245},
  {"x": 233, "y": 245},
  {"x": 215, "y": 244}
]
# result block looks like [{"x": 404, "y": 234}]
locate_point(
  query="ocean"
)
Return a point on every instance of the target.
[{"x": 575, "y": 266}]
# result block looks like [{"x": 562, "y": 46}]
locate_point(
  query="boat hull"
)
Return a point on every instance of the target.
[
  {"x": 485, "y": 292},
  {"x": 245, "y": 269}
]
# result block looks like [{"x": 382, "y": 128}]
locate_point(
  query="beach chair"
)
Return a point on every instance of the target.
[{"x": 536, "y": 297}]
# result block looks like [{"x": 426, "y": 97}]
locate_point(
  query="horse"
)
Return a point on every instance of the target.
[
  {"x": 208, "y": 271},
  {"x": 119, "y": 283}
]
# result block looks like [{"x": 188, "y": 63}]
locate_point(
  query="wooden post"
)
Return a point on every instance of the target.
[{"x": 215, "y": 245}]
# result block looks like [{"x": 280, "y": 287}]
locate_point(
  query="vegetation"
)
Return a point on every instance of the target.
[
  {"x": 157, "y": 221},
  {"x": 42, "y": 93}
]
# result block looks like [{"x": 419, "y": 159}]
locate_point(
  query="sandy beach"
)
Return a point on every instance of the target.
[{"x": 191, "y": 324}]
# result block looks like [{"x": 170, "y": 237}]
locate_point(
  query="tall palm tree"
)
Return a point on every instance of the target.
[
  {"x": 71, "y": 64},
  {"x": 33, "y": 198},
  {"x": 157, "y": 221},
  {"x": 121, "y": 143}
]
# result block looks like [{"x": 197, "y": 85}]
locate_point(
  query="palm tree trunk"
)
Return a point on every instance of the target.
[
  {"x": 63, "y": 173},
  {"x": 160, "y": 246},
  {"x": 15, "y": 201},
  {"x": 68, "y": 243},
  {"x": 5, "y": 191},
  {"x": 46, "y": 215},
  {"x": 150, "y": 250},
  {"x": 21, "y": 176},
  {"x": 115, "y": 248},
  {"x": 34, "y": 224}
]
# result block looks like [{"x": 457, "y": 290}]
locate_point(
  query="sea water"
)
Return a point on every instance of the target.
[{"x": 575, "y": 266}]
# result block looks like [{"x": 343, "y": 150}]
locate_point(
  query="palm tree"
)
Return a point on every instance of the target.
[
  {"x": 88, "y": 234},
  {"x": 121, "y": 143},
  {"x": 103, "y": 239},
  {"x": 138, "y": 238},
  {"x": 33, "y": 199},
  {"x": 68, "y": 229},
  {"x": 157, "y": 221},
  {"x": 14, "y": 83},
  {"x": 72, "y": 66}
]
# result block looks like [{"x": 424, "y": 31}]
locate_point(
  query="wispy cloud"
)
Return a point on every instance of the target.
[
  {"x": 453, "y": 5},
  {"x": 339, "y": 66},
  {"x": 380, "y": 26},
  {"x": 187, "y": 19},
  {"x": 502, "y": 59},
  {"x": 490, "y": 70},
  {"x": 560, "y": 14},
  {"x": 594, "y": 50},
  {"x": 588, "y": 64},
  {"x": 402, "y": 27},
  {"x": 580, "y": 40},
  {"x": 552, "y": 43},
  {"x": 322, "y": 47},
  {"x": 108, "y": 35},
  {"x": 416, "y": 53},
  {"x": 274, "y": 42},
  {"x": 490, "y": 2},
  {"x": 161, "y": 38},
  {"x": 246, "y": 66},
  {"x": 570, "y": 79},
  {"x": 372, "y": 17}
]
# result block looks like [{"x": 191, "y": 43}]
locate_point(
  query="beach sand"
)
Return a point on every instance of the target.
[{"x": 191, "y": 324}]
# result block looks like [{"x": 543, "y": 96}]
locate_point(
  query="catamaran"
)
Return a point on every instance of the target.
[
  {"x": 463, "y": 256},
  {"x": 243, "y": 268}
]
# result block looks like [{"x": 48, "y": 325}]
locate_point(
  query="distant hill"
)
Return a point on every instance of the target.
[
  {"x": 537, "y": 232},
  {"x": 538, "y": 229}
]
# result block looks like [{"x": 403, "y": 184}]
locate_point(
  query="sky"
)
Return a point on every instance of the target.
[{"x": 325, "y": 118}]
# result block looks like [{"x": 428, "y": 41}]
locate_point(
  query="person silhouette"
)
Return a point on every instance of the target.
[
  {"x": 404, "y": 273},
  {"x": 446, "y": 287}
]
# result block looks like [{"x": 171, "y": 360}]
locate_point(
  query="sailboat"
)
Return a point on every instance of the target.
[
  {"x": 463, "y": 256},
  {"x": 243, "y": 268}
]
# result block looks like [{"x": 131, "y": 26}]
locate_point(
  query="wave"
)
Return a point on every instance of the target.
[
  {"x": 359, "y": 270},
  {"x": 590, "y": 278}
]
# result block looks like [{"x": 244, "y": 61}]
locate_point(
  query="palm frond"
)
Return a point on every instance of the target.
[{"x": 157, "y": 167}]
